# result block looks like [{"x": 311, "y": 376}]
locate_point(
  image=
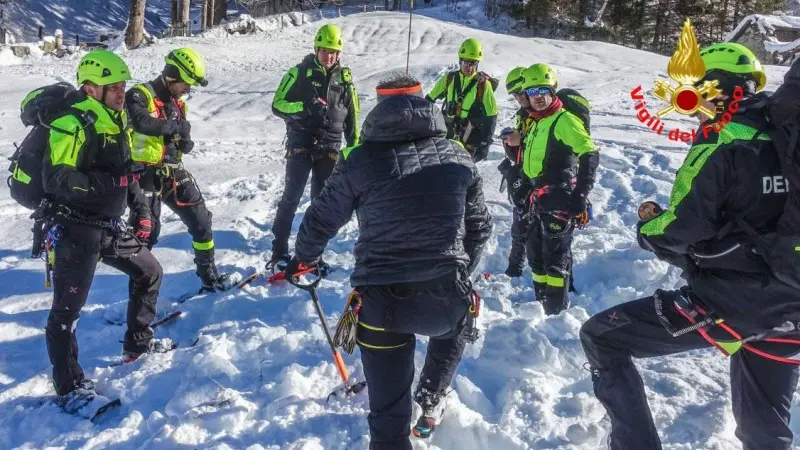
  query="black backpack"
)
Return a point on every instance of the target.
[
  {"x": 39, "y": 109},
  {"x": 778, "y": 116},
  {"x": 577, "y": 104}
]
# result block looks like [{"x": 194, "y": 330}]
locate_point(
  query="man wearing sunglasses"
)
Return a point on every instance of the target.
[
  {"x": 559, "y": 163},
  {"x": 469, "y": 108},
  {"x": 162, "y": 135},
  {"x": 720, "y": 185}
]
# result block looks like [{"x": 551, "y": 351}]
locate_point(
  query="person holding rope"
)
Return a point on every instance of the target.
[
  {"x": 422, "y": 226},
  {"x": 161, "y": 136},
  {"x": 733, "y": 301}
]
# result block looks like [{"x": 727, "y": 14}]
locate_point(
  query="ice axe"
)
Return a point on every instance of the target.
[{"x": 311, "y": 287}]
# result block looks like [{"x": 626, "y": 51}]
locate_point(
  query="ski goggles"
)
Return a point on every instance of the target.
[
  {"x": 515, "y": 86},
  {"x": 541, "y": 90},
  {"x": 468, "y": 62}
]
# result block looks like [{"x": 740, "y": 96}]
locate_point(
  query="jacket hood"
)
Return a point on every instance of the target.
[{"x": 403, "y": 118}]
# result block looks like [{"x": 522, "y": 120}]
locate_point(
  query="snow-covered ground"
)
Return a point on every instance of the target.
[{"x": 258, "y": 376}]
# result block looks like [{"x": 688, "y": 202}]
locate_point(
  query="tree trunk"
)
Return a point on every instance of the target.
[
  {"x": 135, "y": 33},
  {"x": 174, "y": 10},
  {"x": 658, "y": 30},
  {"x": 203, "y": 15},
  {"x": 220, "y": 11},
  {"x": 185, "y": 5},
  {"x": 208, "y": 12},
  {"x": 723, "y": 21}
]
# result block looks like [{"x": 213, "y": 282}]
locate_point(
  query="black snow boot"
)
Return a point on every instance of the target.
[{"x": 210, "y": 279}]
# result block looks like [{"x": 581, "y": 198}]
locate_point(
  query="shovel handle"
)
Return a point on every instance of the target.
[{"x": 340, "y": 367}]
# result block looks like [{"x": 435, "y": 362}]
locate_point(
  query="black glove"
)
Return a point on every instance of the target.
[
  {"x": 292, "y": 267},
  {"x": 317, "y": 113},
  {"x": 507, "y": 168},
  {"x": 184, "y": 129},
  {"x": 518, "y": 189},
  {"x": 185, "y": 145},
  {"x": 577, "y": 204}
]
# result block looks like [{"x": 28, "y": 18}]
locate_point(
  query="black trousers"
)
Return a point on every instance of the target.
[
  {"x": 184, "y": 198},
  {"x": 761, "y": 389},
  {"x": 76, "y": 255},
  {"x": 519, "y": 236},
  {"x": 390, "y": 317},
  {"x": 298, "y": 166},
  {"x": 549, "y": 247}
]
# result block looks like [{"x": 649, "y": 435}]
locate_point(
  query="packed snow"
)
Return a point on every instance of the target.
[{"x": 258, "y": 373}]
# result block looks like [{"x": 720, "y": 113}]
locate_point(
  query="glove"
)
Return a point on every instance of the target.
[
  {"x": 504, "y": 167},
  {"x": 519, "y": 189},
  {"x": 577, "y": 204},
  {"x": 143, "y": 228},
  {"x": 296, "y": 266},
  {"x": 480, "y": 153},
  {"x": 317, "y": 112},
  {"x": 185, "y": 146},
  {"x": 583, "y": 219},
  {"x": 183, "y": 129}
]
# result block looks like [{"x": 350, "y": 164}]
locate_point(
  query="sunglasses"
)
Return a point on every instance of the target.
[
  {"x": 467, "y": 62},
  {"x": 538, "y": 91}
]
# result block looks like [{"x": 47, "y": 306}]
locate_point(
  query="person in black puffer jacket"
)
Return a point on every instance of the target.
[{"x": 422, "y": 226}]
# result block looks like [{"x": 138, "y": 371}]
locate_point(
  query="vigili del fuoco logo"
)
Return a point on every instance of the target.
[{"x": 687, "y": 68}]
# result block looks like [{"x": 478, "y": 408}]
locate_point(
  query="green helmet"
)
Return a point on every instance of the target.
[
  {"x": 329, "y": 36},
  {"x": 471, "y": 50},
  {"x": 515, "y": 80},
  {"x": 190, "y": 65},
  {"x": 102, "y": 67},
  {"x": 540, "y": 74},
  {"x": 734, "y": 58}
]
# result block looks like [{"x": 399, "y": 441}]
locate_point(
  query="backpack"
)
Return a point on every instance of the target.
[
  {"x": 39, "y": 109},
  {"x": 577, "y": 104},
  {"x": 779, "y": 117}
]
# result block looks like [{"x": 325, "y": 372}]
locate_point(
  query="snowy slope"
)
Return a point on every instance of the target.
[{"x": 258, "y": 376}]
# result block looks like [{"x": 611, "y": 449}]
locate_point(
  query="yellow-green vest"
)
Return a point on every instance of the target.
[{"x": 150, "y": 149}]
